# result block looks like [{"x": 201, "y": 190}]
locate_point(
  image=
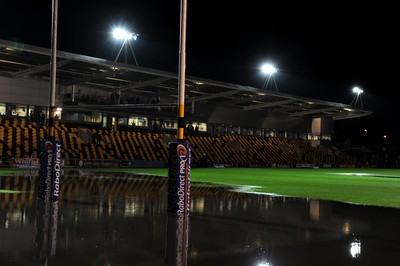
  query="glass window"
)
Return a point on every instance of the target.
[
  {"x": 138, "y": 121},
  {"x": 20, "y": 110},
  {"x": 96, "y": 117},
  {"x": 2, "y": 109}
]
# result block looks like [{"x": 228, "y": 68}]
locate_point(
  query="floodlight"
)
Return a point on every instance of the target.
[
  {"x": 357, "y": 90},
  {"x": 269, "y": 69},
  {"x": 357, "y": 98},
  {"x": 122, "y": 34}
]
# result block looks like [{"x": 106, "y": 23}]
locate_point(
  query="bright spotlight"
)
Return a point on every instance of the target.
[
  {"x": 357, "y": 98},
  {"x": 269, "y": 69},
  {"x": 122, "y": 34},
  {"x": 357, "y": 90}
]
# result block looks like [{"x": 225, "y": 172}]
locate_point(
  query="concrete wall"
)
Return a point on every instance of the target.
[{"x": 24, "y": 91}]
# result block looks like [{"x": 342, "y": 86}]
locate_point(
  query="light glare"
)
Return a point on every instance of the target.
[
  {"x": 269, "y": 69},
  {"x": 122, "y": 34},
  {"x": 355, "y": 249},
  {"x": 357, "y": 90}
]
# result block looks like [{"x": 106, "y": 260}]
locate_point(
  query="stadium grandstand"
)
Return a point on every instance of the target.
[{"x": 115, "y": 114}]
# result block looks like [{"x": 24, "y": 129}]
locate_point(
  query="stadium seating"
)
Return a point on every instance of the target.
[{"x": 20, "y": 138}]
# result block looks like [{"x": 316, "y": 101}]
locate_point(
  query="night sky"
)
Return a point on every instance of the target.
[{"x": 321, "y": 50}]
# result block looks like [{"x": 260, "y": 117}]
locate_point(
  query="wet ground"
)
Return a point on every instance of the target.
[{"x": 122, "y": 219}]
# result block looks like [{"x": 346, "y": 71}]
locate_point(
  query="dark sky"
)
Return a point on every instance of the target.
[{"x": 321, "y": 50}]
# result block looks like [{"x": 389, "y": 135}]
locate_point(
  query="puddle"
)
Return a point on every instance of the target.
[{"x": 122, "y": 219}]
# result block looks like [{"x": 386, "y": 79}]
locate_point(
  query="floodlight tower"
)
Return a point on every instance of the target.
[
  {"x": 269, "y": 70},
  {"x": 357, "y": 98},
  {"x": 126, "y": 37}
]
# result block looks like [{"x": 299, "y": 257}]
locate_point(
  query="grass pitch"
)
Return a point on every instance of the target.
[{"x": 374, "y": 187}]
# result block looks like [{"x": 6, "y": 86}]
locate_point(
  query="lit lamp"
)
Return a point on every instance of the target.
[
  {"x": 122, "y": 34},
  {"x": 126, "y": 36},
  {"x": 357, "y": 97},
  {"x": 269, "y": 70}
]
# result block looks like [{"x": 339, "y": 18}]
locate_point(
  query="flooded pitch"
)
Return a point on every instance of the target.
[{"x": 122, "y": 219}]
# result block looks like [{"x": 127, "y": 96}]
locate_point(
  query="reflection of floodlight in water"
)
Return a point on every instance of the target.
[
  {"x": 125, "y": 36},
  {"x": 358, "y": 93},
  {"x": 269, "y": 70},
  {"x": 264, "y": 264},
  {"x": 355, "y": 249}
]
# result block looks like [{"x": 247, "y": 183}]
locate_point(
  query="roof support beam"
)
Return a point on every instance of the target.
[{"x": 264, "y": 105}]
